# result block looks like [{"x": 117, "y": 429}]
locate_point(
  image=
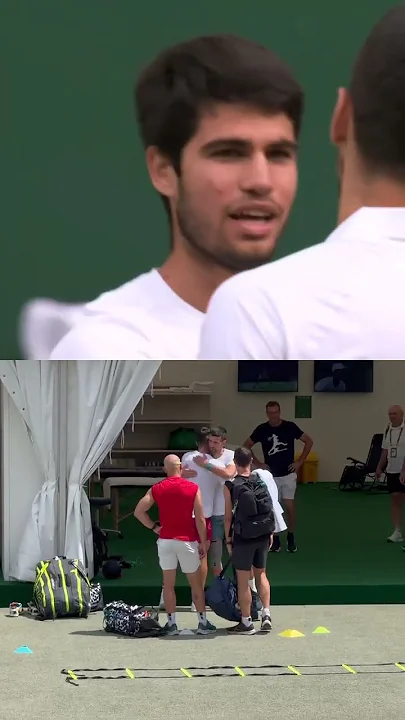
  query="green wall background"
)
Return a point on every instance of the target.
[{"x": 78, "y": 215}]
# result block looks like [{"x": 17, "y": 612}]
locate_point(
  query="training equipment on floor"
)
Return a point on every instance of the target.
[{"x": 223, "y": 671}]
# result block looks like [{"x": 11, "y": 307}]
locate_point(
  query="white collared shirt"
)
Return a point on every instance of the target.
[
  {"x": 340, "y": 300},
  {"x": 141, "y": 320},
  {"x": 394, "y": 443}
]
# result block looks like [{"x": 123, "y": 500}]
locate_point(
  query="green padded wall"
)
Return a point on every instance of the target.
[{"x": 78, "y": 214}]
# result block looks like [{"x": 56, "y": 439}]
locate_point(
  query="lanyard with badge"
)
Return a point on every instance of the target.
[{"x": 394, "y": 450}]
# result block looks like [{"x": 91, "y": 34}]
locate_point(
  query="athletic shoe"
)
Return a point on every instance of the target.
[
  {"x": 396, "y": 537},
  {"x": 171, "y": 629},
  {"x": 266, "y": 625},
  {"x": 193, "y": 607},
  {"x": 161, "y": 601},
  {"x": 242, "y": 629},
  {"x": 291, "y": 546},
  {"x": 206, "y": 628},
  {"x": 276, "y": 546}
]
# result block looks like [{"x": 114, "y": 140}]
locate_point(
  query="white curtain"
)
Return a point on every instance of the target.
[
  {"x": 108, "y": 391},
  {"x": 33, "y": 387}
]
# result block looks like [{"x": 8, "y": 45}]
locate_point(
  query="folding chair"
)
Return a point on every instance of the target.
[{"x": 358, "y": 474}]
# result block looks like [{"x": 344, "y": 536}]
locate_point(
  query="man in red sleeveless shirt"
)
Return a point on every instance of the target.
[{"x": 182, "y": 538}]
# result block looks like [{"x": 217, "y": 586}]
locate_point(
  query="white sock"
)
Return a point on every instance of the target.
[
  {"x": 266, "y": 612},
  {"x": 247, "y": 621},
  {"x": 202, "y": 618},
  {"x": 171, "y": 618},
  {"x": 252, "y": 585}
]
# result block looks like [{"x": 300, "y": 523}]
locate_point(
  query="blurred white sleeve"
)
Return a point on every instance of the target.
[
  {"x": 241, "y": 326},
  {"x": 97, "y": 340}
]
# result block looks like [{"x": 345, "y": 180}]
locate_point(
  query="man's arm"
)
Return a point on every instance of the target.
[
  {"x": 226, "y": 473},
  {"x": 243, "y": 325},
  {"x": 141, "y": 512},
  {"x": 308, "y": 443},
  {"x": 382, "y": 462},
  {"x": 200, "y": 521},
  {"x": 249, "y": 444},
  {"x": 228, "y": 515}
]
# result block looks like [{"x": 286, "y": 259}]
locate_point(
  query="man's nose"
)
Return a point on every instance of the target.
[{"x": 256, "y": 179}]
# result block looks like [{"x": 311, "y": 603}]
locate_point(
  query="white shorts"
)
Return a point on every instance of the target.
[
  {"x": 178, "y": 552},
  {"x": 286, "y": 485}
]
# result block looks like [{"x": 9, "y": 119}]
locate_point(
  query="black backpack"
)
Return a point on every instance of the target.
[{"x": 253, "y": 514}]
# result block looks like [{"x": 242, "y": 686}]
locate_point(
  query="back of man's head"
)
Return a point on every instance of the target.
[
  {"x": 377, "y": 92},
  {"x": 243, "y": 458},
  {"x": 172, "y": 465}
]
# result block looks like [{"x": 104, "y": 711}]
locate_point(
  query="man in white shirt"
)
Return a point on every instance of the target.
[
  {"x": 219, "y": 462},
  {"x": 328, "y": 302},
  {"x": 208, "y": 484},
  {"x": 392, "y": 461},
  {"x": 219, "y": 118}
]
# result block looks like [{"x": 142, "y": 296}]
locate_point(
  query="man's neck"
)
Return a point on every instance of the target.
[
  {"x": 275, "y": 424},
  {"x": 378, "y": 193},
  {"x": 243, "y": 472},
  {"x": 191, "y": 279}
]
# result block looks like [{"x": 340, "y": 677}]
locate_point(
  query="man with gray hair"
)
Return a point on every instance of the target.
[{"x": 392, "y": 461}]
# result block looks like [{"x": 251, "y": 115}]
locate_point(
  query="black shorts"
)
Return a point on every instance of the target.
[
  {"x": 250, "y": 553},
  {"x": 393, "y": 483}
]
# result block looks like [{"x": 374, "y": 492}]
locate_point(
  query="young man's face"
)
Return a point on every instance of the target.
[{"x": 237, "y": 185}]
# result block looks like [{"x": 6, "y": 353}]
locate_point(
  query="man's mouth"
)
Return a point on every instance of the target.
[{"x": 254, "y": 224}]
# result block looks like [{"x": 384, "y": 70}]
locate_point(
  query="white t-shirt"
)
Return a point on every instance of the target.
[
  {"x": 141, "y": 320},
  {"x": 394, "y": 443},
  {"x": 206, "y": 481},
  {"x": 340, "y": 300},
  {"x": 223, "y": 461}
]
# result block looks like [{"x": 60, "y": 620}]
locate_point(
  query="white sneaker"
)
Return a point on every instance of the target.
[
  {"x": 193, "y": 607},
  {"x": 395, "y": 537},
  {"x": 161, "y": 601}
]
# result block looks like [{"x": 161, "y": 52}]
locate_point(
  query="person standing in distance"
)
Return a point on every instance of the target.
[
  {"x": 277, "y": 438},
  {"x": 249, "y": 524},
  {"x": 182, "y": 538},
  {"x": 320, "y": 303},
  {"x": 392, "y": 461},
  {"x": 219, "y": 117}
]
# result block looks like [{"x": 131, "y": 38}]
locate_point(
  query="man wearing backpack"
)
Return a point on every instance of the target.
[{"x": 249, "y": 526}]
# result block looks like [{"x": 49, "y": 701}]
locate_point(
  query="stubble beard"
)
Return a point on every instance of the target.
[{"x": 195, "y": 233}]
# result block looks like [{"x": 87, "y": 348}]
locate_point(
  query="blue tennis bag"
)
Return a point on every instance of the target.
[{"x": 222, "y": 598}]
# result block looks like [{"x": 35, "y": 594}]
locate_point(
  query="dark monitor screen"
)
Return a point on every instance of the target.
[
  {"x": 269, "y": 376},
  {"x": 347, "y": 376}
]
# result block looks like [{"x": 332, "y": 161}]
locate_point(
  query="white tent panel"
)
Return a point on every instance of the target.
[
  {"x": 44, "y": 501},
  {"x": 33, "y": 388},
  {"x": 22, "y": 480},
  {"x": 104, "y": 394}
]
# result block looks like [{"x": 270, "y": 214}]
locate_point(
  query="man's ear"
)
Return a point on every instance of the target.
[
  {"x": 341, "y": 118},
  {"x": 161, "y": 173}
]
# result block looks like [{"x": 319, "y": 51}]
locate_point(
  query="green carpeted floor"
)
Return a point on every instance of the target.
[{"x": 342, "y": 558}]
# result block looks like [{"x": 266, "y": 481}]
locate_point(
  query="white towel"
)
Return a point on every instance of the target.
[{"x": 267, "y": 478}]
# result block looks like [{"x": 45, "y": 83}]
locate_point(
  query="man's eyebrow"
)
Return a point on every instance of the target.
[{"x": 219, "y": 143}]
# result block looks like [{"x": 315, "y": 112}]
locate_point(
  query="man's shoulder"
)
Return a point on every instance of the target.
[
  {"x": 125, "y": 295},
  {"x": 262, "y": 279},
  {"x": 189, "y": 455},
  {"x": 261, "y": 428}
]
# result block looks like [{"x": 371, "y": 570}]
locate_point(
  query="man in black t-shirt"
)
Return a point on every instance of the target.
[
  {"x": 247, "y": 552},
  {"x": 277, "y": 438}
]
